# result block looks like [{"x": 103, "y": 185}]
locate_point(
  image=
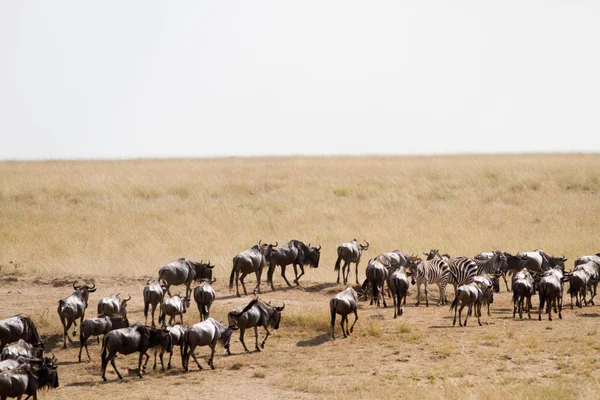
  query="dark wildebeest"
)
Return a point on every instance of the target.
[
  {"x": 377, "y": 274},
  {"x": 486, "y": 283},
  {"x": 296, "y": 253},
  {"x": 584, "y": 277},
  {"x": 523, "y": 288},
  {"x": 19, "y": 327},
  {"x": 256, "y": 313},
  {"x": 467, "y": 295},
  {"x": 349, "y": 252},
  {"x": 204, "y": 295},
  {"x": 99, "y": 326},
  {"x": 113, "y": 305},
  {"x": 539, "y": 261},
  {"x": 176, "y": 334},
  {"x": 173, "y": 307},
  {"x": 136, "y": 338},
  {"x": 205, "y": 333},
  {"x": 154, "y": 292},
  {"x": 27, "y": 379},
  {"x": 21, "y": 349},
  {"x": 398, "y": 284},
  {"x": 73, "y": 307},
  {"x": 249, "y": 261},
  {"x": 551, "y": 292},
  {"x": 183, "y": 272},
  {"x": 344, "y": 303}
]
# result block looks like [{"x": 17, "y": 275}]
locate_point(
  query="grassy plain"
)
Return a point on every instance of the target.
[{"x": 118, "y": 221}]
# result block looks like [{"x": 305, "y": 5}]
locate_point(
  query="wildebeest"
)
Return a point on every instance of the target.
[
  {"x": 376, "y": 274},
  {"x": 9, "y": 364},
  {"x": 183, "y": 272},
  {"x": 136, "y": 338},
  {"x": 398, "y": 284},
  {"x": 523, "y": 288},
  {"x": 344, "y": 303},
  {"x": 584, "y": 277},
  {"x": 73, "y": 307},
  {"x": 249, "y": 261},
  {"x": 205, "y": 333},
  {"x": 539, "y": 261},
  {"x": 551, "y": 292},
  {"x": 467, "y": 295},
  {"x": 113, "y": 305},
  {"x": 173, "y": 307},
  {"x": 204, "y": 295},
  {"x": 256, "y": 313},
  {"x": 27, "y": 379},
  {"x": 99, "y": 326},
  {"x": 585, "y": 259},
  {"x": 19, "y": 327},
  {"x": 21, "y": 349},
  {"x": 349, "y": 252},
  {"x": 154, "y": 292},
  {"x": 176, "y": 335},
  {"x": 296, "y": 253},
  {"x": 394, "y": 259},
  {"x": 427, "y": 272},
  {"x": 486, "y": 284},
  {"x": 493, "y": 266}
]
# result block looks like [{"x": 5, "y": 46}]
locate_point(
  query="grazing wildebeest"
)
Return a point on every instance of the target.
[
  {"x": 467, "y": 295},
  {"x": 249, "y": 261},
  {"x": 136, "y": 338},
  {"x": 173, "y": 307},
  {"x": 99, "y": 326},
  {"x": 205, "y": 333},
  {"x": 523, "y": 288},
  {"x": 27, "y": 379},
  {"x": 204, "y": 295},
  {"x": 377, "y": 274},
  {"x": 349, "y": 252},
  {"x": 21, "y": 349},
  {"x": 113, "y": 305},
  {"x": 296, "y": 253},
  {"x": 551, "y": 292},
  {"x": 176, "y": 334},
  {"x": 154, "y": 292},
  {"x": 10, "y": 364},
  {"x": 256, "y": 313},
  {"x": 73, "y": 307},
  {"x": 398, "y": 284},
  {"x": 19, "y": 327},
  {"x": 183, "y": 272},
  {"x": 584, "y": 277},
  {"x": 344, "y": 303},
  {"x": 427, "y": 272}
]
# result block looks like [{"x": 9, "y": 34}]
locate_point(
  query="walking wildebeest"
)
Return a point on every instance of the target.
[
  {"x": 296, "y": 253},
  {"x": 176, "y": 335},
  {"x": 349, "y": 252},
  {"x": 113, "y": 305},
  {"x": 21, "y": 349},
  {"x": 99, "y": 326},
  {"x": 19, "y": 327},
  {"x": 154, "y": 292},
  {"x": 256, "y": 313},
  {"x": 205, "y": 333},
  {"x": 204, "y": 295},
  {"x": 73, "y": 307},
  {"x": 467, "y": 295},
  {"x": 523, "y": 288},
  {"x": 377, "y": 274},
  {"x": 398, "y": 284},
  {"x": 27, "y": 379},
  {"x": 344, "y": 303},
  {"x": 249, "y": 261},
  {"x": 584, "y": 277},
  {"x": 183, "y": 272},
  {"x": 551, "y": 292},
  {"x": 173, "y": 307},
  {"x": 486, "y": 283},
  {"x": 136, "y": 338}
]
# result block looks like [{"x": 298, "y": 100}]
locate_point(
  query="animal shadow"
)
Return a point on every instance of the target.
[
  {"x": 316, "y": 341},
  {"x": 319, "y": 287},
  {"x": 589, "y": 315}
]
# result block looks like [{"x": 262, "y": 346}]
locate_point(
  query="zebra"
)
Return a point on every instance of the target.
[
  {"x": 430, "y": 272},
  {"x": 462, "y": 271},
  {"x": 493, "y": 266}
]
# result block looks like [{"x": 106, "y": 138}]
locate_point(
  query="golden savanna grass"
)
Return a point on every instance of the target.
[{"x": 118, "y": 222}]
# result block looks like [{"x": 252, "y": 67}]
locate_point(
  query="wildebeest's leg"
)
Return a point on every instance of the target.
[
  {"x": 395, "y": 295},
  {"x": 66, "y": 325},
  {"x": 153, "y": 310},
  {"x": 381, "y": 289},
  {"x": 212, "y": 355},
  {"x": 283, "y": 274},
  {"x": 242, "y": 330},
  {"x": 344, "y": 327},
  {"x": 455, "y": 313},
  {"x": 355, "y": 319},
  {"x": 112, "y": 362},
  {"x": 237, "y": 278},
  {"x": 356, "y": 271},
  {"x": 469, "y": 312},
  {"x": 506, "y": 283},
  {"x": 262, "y": 345},
  {"x": 478, "y": 311},
  {"x": 256, "y": 338},
  {"x": 242, "y": 282},
  {"x": 418, "y": 294},
  {"x": 297, "y": 281},
  {"x": 147, "y": 359},
  {"x": 529, "y": 306},
  {"x": 559, "y": 301}
]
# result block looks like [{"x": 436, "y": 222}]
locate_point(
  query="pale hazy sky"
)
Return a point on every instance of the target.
[{"x": 115, "y": 79}]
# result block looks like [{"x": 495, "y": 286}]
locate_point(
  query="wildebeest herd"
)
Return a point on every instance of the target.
[{"x": 25, "y": 367}]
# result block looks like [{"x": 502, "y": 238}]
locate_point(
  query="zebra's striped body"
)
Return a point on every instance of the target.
[
  {"x": 462, "y": 271},
  {"x": 430, "y": 272},
  {"x": 495, "y": 265}
]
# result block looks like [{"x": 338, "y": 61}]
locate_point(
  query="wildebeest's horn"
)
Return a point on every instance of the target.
[
  {"x": 126, "y": 300},
  {"x": 117, "y": 295},
  {"x": 75, "y": 287},
  {"x": 259, "y": 242},
  {"x": 208, "y": 265},
  {"x": 148, "y": 281},
  {"x": 367, "y": 242},
  {"x": 281, "y": 308},
  {"x": 319, "y": 249},
  {"x": 91, "y": 289},
  {"x": 214, "y": 280}
]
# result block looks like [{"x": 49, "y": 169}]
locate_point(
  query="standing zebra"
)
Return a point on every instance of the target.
[
  {"x": 493, "y": 266},
  {"x": 462, "y": 271},
  {"x": 430, "y": 272}
]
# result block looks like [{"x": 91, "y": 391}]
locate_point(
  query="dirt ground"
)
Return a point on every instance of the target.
[{"x": 419, "y": 353}]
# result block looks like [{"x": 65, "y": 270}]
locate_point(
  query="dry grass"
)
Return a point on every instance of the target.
[{"x": 120, "y": 221}]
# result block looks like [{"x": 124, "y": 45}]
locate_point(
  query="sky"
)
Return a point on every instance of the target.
[{"x": 136, "y": 79}]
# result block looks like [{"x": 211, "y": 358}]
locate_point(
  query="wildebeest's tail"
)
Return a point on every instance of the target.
[
  {"x": 542, "y": 292},
  {"x": 104, "y": 351},
  {"x": 337, "y": 263},
  {"x": 454, "y": 304},
  {"x": 333, "y": 306},
  {"x": 184, "y": 349},
  {"x": 232, "y": 274},
  {"x": 146, "y": 303},
  {"x": 271, "y": 271},
  {"x": 515, "y": 295},
  {"x": 99, "y": 308},
  {"x": 375, "y": 292}
]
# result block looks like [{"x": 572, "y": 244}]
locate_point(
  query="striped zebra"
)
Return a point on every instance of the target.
[
  {"x": 462, "y": 271},
  {"x": 430, "y": 272},
  {"x": 494, "y": 266}
]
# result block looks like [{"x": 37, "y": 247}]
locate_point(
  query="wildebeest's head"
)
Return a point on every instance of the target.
[
  {"x": 203, "y": 270},
  {"x": 84, "y": 290},
  {"x": 364, "y": 247},
  {"x": 226, "y": 337},
  {"x": 47, "y": 375},
  {"x": 157, "y": 337},
  {"x": 123, "y": 306},
  {"x": 314, "y": 255},
  {"x": 267, "y": 249},
  {"x": 277, "y": 316}
]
